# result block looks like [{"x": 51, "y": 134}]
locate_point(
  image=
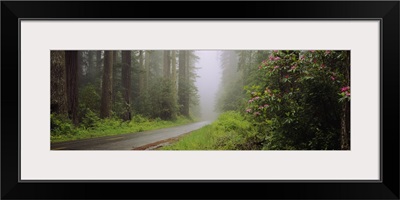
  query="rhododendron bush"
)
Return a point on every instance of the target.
[{"x": 300, "y": 100}]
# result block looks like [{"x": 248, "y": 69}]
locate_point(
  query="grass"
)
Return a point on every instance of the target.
[
  {"x": 107, "y": 127},
  {"x": 229, "y": 132}
]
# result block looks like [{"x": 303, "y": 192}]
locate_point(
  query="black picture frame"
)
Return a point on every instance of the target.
[{"x": 386, "y": 11}]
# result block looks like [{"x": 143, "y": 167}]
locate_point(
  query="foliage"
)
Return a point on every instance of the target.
[
  {"x": 90, "y": 119},
  {"x": 61, "y": 124},
  {"x": 229, "y": 132},
  {"x": 231, "y": 92},
  {"x": 297, "y": 105},
  {"x": 153, "y": 98},
  {"x": 89, "y": 105}
]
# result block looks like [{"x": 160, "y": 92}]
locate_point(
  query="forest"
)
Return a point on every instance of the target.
[{"x": 265, "y": 99}]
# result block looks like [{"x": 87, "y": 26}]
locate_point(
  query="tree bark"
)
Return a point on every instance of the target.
[
  {"x": 345, "y": 120},
  {"x": 345, "y": 127},
  {"x": 58, "y": 89},
  {"x": 98, "y": 69},
  {"x": 91, "y": 67},
  {"x": 98, "y": 61},
  {"x": 173, "y": 66},
  {"x": 126, "y": 83},
  {"x": 147, "y": 70},
  {"x": 183, "y": 84},
  {"x": 115, "y": 54},
  {"x": 167, "y": 64},
  {"x": 71, "y": 63},
  {"x": 106, "y": 95},
  {"x": 187, "y": 82},
  {"x": 81, "y": 70},
  {"x": 141, "y": 73}
]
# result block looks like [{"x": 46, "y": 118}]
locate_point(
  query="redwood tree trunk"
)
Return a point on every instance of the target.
[
  {"x": 126, "y": 83},
  {"x": 98, "y": 68},
  {"x": 187, "y": 81},
  {"x": 173, "y": 66},
  {"x": 141, "y": 73},
  {"x": 147, "y": 70},
  {"x": 345, "y": 120},
  {"x": 98, "y": 61},
  {"x": 71, "y": 63},
  {"x": 345, "y": 124},
  {"x": 183, "y": 84},
  {"x": 58, "y": 88},
  {"x": 80, "y": 68},
  {"x": 106, "y": 95},
  {"x": 91, "y": 69},
  {"x": 167, "y": 64}
]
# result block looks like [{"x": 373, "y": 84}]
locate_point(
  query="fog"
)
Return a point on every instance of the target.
[{"x": 208, "y": 82}]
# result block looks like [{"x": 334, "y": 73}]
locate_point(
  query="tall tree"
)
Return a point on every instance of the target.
[
  {"x": 91, "y": 71},
  {"x": 141, "y": 71},
  {"x": 147, "y": 69},
  {"x": 345, "y": 118},
  {"x": 81, "y": 69},
  {"x": 173, "y": 66},
  {"x": 58, "y": 83},
  {"x": 106, "y": 95},
  {"x": 167, "y": 64},
  {"x": 169, "y": 105},
  {"x": 98, "y": 61},
  {"x": 182, "y": 84},
  {"x": 126, "y": 83},
  {"x": 98, "y": 68},
  {"x": 71, "y": 63},
  {"x": 115, "y": 57},
  {"x": 187, "y": 82},
  {"x": 231, "y": 87}
]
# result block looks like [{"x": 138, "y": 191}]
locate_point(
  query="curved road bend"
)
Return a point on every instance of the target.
[{"x": 127, "y": 141}]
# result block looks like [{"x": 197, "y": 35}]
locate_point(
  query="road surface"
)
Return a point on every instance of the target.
[{"x": 128, "y": 141}]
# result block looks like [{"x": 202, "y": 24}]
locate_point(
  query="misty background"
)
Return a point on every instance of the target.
[{"x": 208, "y": 82}]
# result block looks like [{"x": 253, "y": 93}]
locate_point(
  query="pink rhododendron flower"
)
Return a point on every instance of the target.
[
  {"x": 328, "y": 52},
  {"x": 293, "y": 67},
  {"x": 256, "y": 98},
  {"x": 347, "y": 93},
  {"x": 260, "y": 107},
  {"x": 276, "y": 67},
  {"x": 248, "y": 110},
  {"x": 257, "y": 113},
  {"x": 344, "y": 89},
  {"x": 271, "y": 58},
  {"x": 312, "y": 51},
  {"x": 266, "y": 105},
  {"x": 275, "y": 51},
  {"x": 251, "y": 100},
  {"x": 333, "y": 78},
  {"x": 277, "y": 58}
]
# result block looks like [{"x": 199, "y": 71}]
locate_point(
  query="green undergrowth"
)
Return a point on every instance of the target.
[
  {"x": 231, "y": 131},
  {"x": 62, "y": 129}
]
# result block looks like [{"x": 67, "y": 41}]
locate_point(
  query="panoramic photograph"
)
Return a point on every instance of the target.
[{"x": 164, "y": 100}]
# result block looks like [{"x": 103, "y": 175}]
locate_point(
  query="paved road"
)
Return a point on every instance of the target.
[{"x": 127, "y": 141}]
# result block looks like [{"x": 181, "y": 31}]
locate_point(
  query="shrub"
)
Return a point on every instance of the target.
[
  {"x": 61, "y": 125},
  {"x": 297, "y": 105}
]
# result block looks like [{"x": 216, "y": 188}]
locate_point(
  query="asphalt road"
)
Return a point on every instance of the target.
[{"x": 127, "y": 141}]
